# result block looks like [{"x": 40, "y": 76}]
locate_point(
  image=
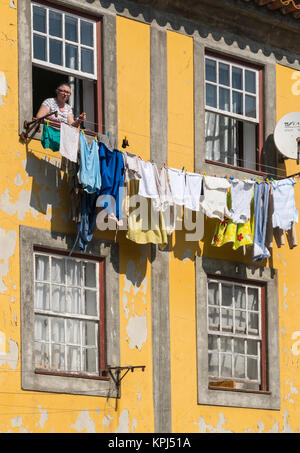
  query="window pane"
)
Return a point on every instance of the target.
[
  {"x": 250, "y": 81},
  {"x": 226, "y": 345},
  {"x": 90, "y": 360},
  {"x": 253, "y": 299},
  {"x": 212, "y": 342},
  {"x": 90, "y": 275},
  {"x": 239, "y": 346},
  {"x": 71, "y": 56},
  {"x": 73, "y": 273},
  {"x": 213, "y": 318},
  {"x": 237, "y": 78},
  {"x": 237, "y": 102},
  {"x": 87, "y": 61},
  {"x": 73, "y": 331},
  {"x": 250, "y": 106},
  {"x": 41, "y": 296},
  {"x": 39, "y": 19},
  {"x": 226, "y": 365},
  {"x": 224, "y": 74},
  {"x": 73, "y": 358},
  {"x": 213, "y": 293},
  {"x": 89, "y": 333},
  {"x": 86, "y": 33},
  {"x": 226, "y": 295},
  {"x": 41, "y": 328},
  {"x": 240, "y": 296},
  {"x": 58, "y": 298},
  {"x": 239, "y": 366},
  {"x": 58, "y": 357},
  {"x": 210, "y": 70},
  {"x": 227, "y": 320},
  {"x": 57, "y": 330},
  {"x": 252, "y": 368},
  {"x": 240, "y": 321},
  {"x": 39, "y": 47},
  {"x": 211, "y": 95},
  {"x": 42, "y": 267},
  {"x": 58, "y": 270},
  {"x": 73, "y": 300},
  {"x": 41, "y": 355},
  {"x": 71, "y": 28},
  {"x": 213, "y": 364},
  {"x": 224, "y": 99},
  {"x": 253, "y": 323},
  {"x": 252, "y": 347},
  {"x": 90, "y": 303},
  {"x": 55, "y": 24},
  {"x": 55, "y": 48}
]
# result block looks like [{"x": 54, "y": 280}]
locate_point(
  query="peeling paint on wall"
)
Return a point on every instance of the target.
[
  {"x": 123, "y": 426},
  {"x": 137, "y": 331},
  {"x": 8, "y": 242},
  {"x": 84, "y": 423},
  {"x": 205, "y": 428},
  {"x": 43, "y": 417},
  {"x": 12, "y": 357},
  {"x": 16, "y": 422},
  {"x": 3, "y": 87},
  {"x": 20, "y": 207},
  {"x": 12, "y": 4},
  {"x": 293, "y": 391}
]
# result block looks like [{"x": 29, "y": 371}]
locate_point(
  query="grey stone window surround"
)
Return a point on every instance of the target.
[
  {"x": 30, "y": 237},
  {"x": 220, "y": 268}
]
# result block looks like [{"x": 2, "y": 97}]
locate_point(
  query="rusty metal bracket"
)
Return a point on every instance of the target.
[
  {"x": 29, "y": 126},
  {"x": 115, "y": 373}
]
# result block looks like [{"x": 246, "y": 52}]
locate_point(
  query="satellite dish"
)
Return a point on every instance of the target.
[{"x": 286, "y": 133}]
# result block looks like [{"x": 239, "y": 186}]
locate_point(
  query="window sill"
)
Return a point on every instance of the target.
[
  {"x": 229, "y": 389},
  {"x": 72, "y": 375},
  {"x": 232, "y": 167}
]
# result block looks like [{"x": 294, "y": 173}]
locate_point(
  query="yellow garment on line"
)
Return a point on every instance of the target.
[
  {"x": 238, "y": 233},
  {"x": 138, "y": 230}
]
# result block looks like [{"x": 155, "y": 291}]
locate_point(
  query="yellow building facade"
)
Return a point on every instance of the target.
[{"x": 157, "y": 94}]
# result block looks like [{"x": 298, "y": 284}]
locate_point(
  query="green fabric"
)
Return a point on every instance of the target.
[{"x": 50, "y": 138}]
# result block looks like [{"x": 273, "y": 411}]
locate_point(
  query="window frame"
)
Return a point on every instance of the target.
[
  {"x": 48, "y": 381},
  {"x": 259, "y": 135},
  {"x": 244, "y": 398}
]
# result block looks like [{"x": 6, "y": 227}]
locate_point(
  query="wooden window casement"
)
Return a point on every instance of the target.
[
  {"x": 69, "y": 307},
  {"x": 66, "y": 48},
  {"x": 233, "y": 112}
]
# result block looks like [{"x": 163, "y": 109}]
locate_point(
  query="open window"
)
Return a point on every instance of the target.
[
  {"x": 233, "y": 112},
  {"x": 66, "y": 49}
]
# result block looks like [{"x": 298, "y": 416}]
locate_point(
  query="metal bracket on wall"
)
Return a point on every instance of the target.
[
  {"x": 115, "y": 373},
  {"x": 29, "y": 126}
]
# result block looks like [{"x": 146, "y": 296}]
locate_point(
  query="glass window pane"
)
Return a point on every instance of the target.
[
  {"x": 73, "y": 299},
  {"x": 42, "y": 268},
  {"x": 41, "y": 296},
  {"x": 211, "y": 95},
  {"x": 252, "y": 347},
  {"x": 239, "y": 366},
  {"x": 58, "y": 357},
  {"x": 252, "y": 368},
  {"x": 240, "y": 321},
  {"x": 90, "y": 303},
  {"x": 39, "y": 19},
  {"x": 224, "y": 74},
  {"x": 55, "y": 51},
  {"x": 90, "y": 275},
  {"x": 73, "y": 272},
  {"x": 87, "y": 61},
  {"x": 250, "y": 81},
  {"x": 41, "y": 355},
  {"x": 226, "y": 295},
  {"x": 71, "y": 56},
  {"x": 213, "y": 364},
  {"x": 71, "y": 28},
  {"x": 226, "y": 365},
  {"x": 58, "y": 270},
  {"x": 73, "y": 332},
  {"x": 213, "y": 318},
  {"x": 224, "y": 99},
  {"x": 250, "y": 106},
  {"x": 73, "y": 358},
  {"x": 89, "y": 333},
  {"x": 227, "y": 320},
  {"x": 41, "y": 328},
  {"x": 86, "y": 33},
  {"x": 239, "y": 345},
  {"x": 55, "y": 24},
  {"x": 90, "y": 360},
  {"x": 39, "y": 47},
  {"x": 253, "y": 299},
  {"x": 253, "y": 323},
  {"x": 240, "y": 296},
  {"x": 210, "y": 70},
  {"x": 237, "y": 102},
  {"x": 226, "y": 344},
  {"x": 212, "y": 342},
  {"x": 57, "y": 330},
  {"x": 237, "y": 78},
  {"x": 58, "y": 298},
  {"x": 213, "y": 293}
]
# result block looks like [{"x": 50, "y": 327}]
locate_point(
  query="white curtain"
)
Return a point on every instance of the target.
[{"x": 221, "y": 139}]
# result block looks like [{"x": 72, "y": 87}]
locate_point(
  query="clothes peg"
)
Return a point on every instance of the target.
[
  {"x": 125, "y": 142},
  {"x": 182, "y": 169}
]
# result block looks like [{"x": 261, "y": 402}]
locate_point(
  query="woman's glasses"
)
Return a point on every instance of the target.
[{"x": 68, "y": 93}]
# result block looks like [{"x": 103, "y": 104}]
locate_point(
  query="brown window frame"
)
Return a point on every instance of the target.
[
  {"x": 259, "y": 127},
  {"x": 101, "y": 331},
  {"x": 263, "y": 348},
  {"x": 98, "y": 86}
]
